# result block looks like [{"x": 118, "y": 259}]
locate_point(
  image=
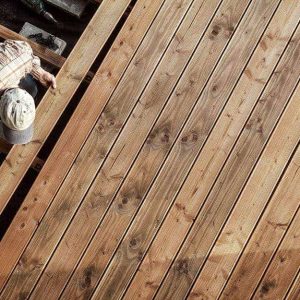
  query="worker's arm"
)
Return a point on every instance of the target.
[{"x": 41, "y": 75}]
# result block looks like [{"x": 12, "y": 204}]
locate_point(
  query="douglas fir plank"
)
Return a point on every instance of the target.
[
  {"x": 54, "y": 102},
  {"x": 286, "y": 262},
  {"x": 137, "y": 239},
  {"x": 216, "y": 151},
  {"x": 36, "y": 202},
  {"x": 291, "y": 240},
  {"x": 88, "y": 216},
  {"x": 232, "y": 178},
  {"x": 132, "y": 84}
]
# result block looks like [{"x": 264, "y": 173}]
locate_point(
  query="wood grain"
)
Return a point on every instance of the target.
[
  {"x": 285, "y": 264},
  {"x": 274, "y": 222},
  {"x": 71, "y": 140},
  {"x": 152, "y": 154},
  {"x": 49, "y": 110},
  {"x": 177, "y": 175},
  {"x": 124, "y": 150}
]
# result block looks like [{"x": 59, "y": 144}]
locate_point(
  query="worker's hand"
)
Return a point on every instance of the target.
[{"x": 49, "y": 80}]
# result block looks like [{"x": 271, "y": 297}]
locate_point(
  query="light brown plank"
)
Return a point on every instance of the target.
[
  {"x": 210, "y": 161},
  {"x": 225, "y": 192},
  {"x": 136, "y": 77},
  {"x": 49, "y": 111},
  {"x": 286, "y": 262},
  {"x": 294, "y": 292},
  {"x": 130, "y": 252}
]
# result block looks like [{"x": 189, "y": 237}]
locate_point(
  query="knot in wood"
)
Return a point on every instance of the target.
[{"x": 182, "y": 266}]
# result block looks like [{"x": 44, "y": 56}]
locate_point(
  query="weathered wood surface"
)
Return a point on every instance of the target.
[
  {"x": 178, "y": 175},
  {"x": 285, "y": 264},
  {"x": 191, "y": 139}
]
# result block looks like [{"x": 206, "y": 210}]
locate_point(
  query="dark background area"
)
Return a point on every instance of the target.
[{"x": 13, "y": 14}]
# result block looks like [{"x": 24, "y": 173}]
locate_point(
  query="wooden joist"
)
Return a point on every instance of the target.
[{"x": 42, "y": 52}]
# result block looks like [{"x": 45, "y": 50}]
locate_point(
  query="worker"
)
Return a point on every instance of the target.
[{"x": 19, "y": 69}]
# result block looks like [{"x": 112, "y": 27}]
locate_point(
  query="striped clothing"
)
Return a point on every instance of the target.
[{"x": 17, "y": 60}]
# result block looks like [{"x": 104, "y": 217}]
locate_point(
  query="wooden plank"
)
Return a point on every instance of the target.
[
  {"x": 138, "y": 73},
  {"x": 294, "y": 292},
  {"x": 286, "y": 262},
  {"x": 178, "y": 54},
  {"x": 224, "y": 194},
  {"x": 271, "y": 229},
  {"x": 37, "y": 163},
  {"x": 49, "y": 110},
  {"x": 211, "y": 159},
  {"x": 44, "y": 53},
  {"x": 137, "y": 239}
]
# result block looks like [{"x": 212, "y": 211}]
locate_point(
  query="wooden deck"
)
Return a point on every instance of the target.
[{"x": 177, "y": 176}]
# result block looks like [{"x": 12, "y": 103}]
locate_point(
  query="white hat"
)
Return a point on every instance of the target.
[{"x": 17, "y": 113}]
